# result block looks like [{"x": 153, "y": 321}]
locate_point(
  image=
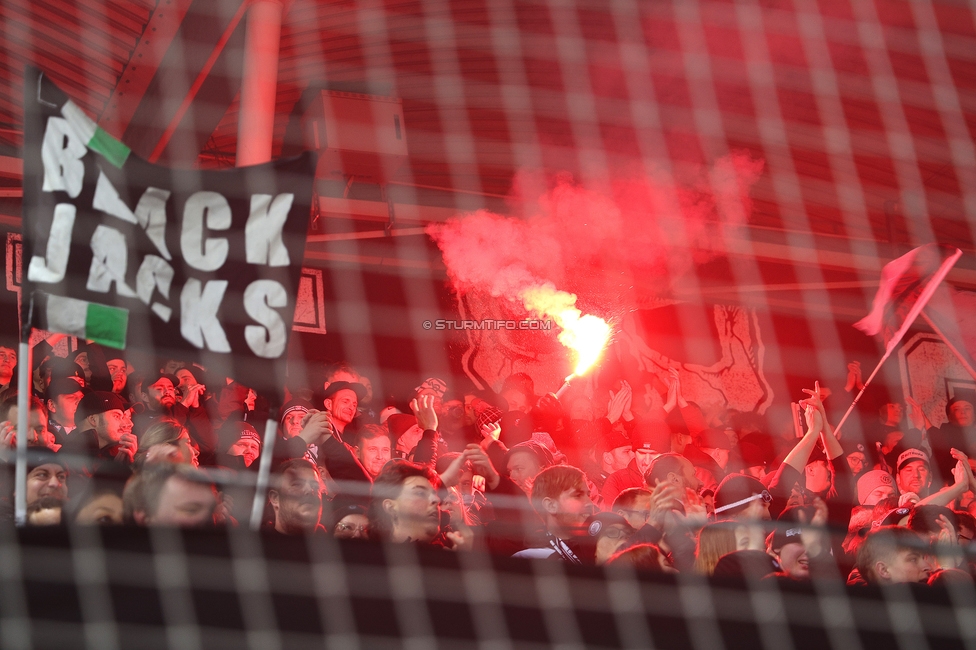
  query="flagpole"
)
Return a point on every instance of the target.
[
  {"x": 861, "y": 392},
  {"x": 23, "y": 407},
  {"x": 955, "y": 350},
  {"x": 264, "y": 468},
  {"x": 913, "y": 313}
]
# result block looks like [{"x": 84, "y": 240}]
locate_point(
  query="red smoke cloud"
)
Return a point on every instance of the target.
[{"x": 612, "y": 246}]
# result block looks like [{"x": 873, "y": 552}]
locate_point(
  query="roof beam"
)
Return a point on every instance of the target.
[{"x": 163, "y": 25}]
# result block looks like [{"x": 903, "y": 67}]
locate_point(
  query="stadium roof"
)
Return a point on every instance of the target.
[{"x": 864, "y": 113}]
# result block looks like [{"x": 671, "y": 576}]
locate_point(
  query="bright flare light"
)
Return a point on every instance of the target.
[{"x": 585, "y": 334}]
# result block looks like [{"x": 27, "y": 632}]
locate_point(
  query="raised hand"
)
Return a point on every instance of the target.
[
  {"x": 628, "y": 392},
  {"x": 696, "y": 513},
  {"x": 163, "y": 454},
  {"x": 966, "y": 469},
  {"x": 676, "y": 381},
  {"x": 8, "y": 434},
  {"x": 481, "y": 465},
  {"x": 316, "y": 427},
  {"x": 854, "y": 377},
  {"x": 452, "y": 475},
  {"x": 652, "y": 399},
  {"x": 462, "y": 539},
  {"x": 916, "y": 415},
  {"x": 665, "y": 497},
  {"x": 192, "y": 397},
  {"x": 490, "y": 431},
  {"x": 128, "y": 446},
  {"x": 816, "y": 397},
  {"x": 423, "y": 408},
  {"x": 947, "y": 544},
  {"x": 813, "y": 417},
  {"x": 947, "y": 533},
  {"x": 615, "y": 408},
  {"x": 673, "y": 389}
]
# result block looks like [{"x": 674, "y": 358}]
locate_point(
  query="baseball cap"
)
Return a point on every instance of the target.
[
  {"x": 783, "y": 536},
  {"x": 155, "y": 376},
  {"x": 909, "y": 455},
  {"x": 788, "y": 526},
  {"x": 598, "y": 524},
  {"x": 63, "y": 386},
  {"x": 894, "y": 516},
  {"x": 95, "y": 402},
  {"x": 66, "y": 368},
  {"x": 652, "y": 435}
]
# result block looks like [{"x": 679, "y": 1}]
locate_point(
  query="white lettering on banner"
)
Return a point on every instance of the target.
[
  {"x": 109, "y": 262},
  {"x": 210, "y": 210},
  {"x": 61, "y": 152},
  {"x": 107, "y": 200},
  {"x": 259, "y": 298},
  {"x": 52, "y": 267},
  {"x": 155, "y": 272},
  {"x": 263, "y": 230},
  {"x": 151, "y": 213},
  {"x": 198, "y": 314}
]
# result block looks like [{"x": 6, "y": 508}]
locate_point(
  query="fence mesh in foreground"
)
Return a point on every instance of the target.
[{"x": 155, "y": 588}]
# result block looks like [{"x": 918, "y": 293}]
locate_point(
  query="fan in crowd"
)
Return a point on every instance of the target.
[{"x": 650, "y": 480}]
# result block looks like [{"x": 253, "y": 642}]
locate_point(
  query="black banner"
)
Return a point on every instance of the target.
[{"x": 196, "y": 265}]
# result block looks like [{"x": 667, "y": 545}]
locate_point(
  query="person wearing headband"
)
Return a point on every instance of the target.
[{"x": 742, "y": 497}]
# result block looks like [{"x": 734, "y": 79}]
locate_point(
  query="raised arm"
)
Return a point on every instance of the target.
[
  {"x": 832, "y": 446},
  {"x": 963, "y": 481},
  {"x": 800, "y": 454}
]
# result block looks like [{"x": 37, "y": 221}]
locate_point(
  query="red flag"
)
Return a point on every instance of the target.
[{"x": 907, "y": 284}]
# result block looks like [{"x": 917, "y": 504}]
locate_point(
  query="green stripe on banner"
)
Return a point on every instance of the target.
[
  {"x": 106, "y": 325},
  {"x": 113, "y": 150}
]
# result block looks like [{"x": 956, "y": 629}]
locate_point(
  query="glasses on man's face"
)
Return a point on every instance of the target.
[
  {"x": 615, "y": 532},
  {"x": 350, "y": 528},
  {"x": 644, "y": 515}
]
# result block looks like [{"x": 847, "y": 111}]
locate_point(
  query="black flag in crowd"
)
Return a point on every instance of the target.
[{"x": 195, "y": 265}]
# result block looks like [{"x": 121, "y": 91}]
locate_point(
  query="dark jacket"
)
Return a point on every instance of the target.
[
  {"x": 337, "y": 457},
  {"x": 629, "y": 477}
]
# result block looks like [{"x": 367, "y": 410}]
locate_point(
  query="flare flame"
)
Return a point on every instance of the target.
[{"x": 587, "y": 335}]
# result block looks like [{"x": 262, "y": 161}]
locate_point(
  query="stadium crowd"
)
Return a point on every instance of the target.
[{"x": 652, "y": 484}]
